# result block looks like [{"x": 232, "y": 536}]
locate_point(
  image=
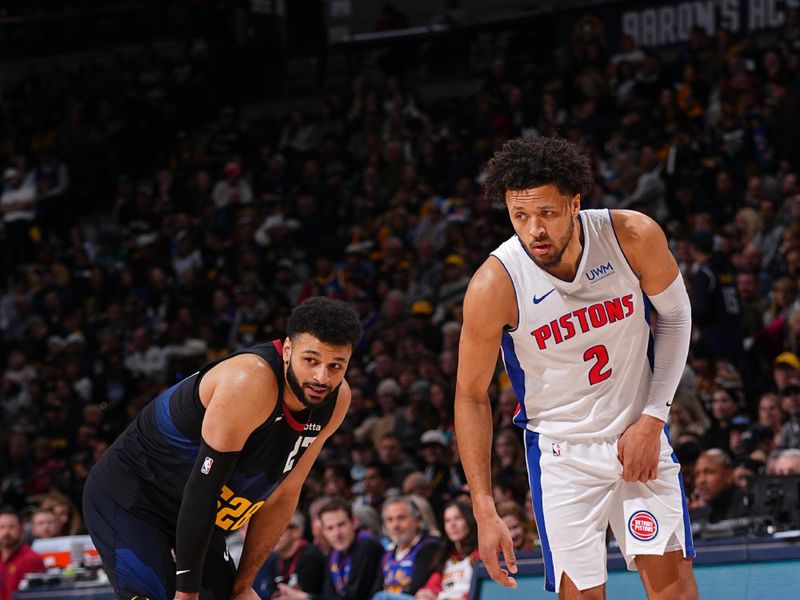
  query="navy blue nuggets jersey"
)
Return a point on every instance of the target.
[{"x": 146, "y": 468}]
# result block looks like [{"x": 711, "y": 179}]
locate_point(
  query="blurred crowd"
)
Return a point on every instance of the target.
[{"x": 197, "y": 235}]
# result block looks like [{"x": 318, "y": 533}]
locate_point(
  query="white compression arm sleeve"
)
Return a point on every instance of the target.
[{"x": 673, "y": 334}]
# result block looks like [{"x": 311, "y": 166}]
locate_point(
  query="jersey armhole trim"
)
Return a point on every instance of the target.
[
  {"x": 619, "y": 245},
  {"x": 508, "y": 328}
]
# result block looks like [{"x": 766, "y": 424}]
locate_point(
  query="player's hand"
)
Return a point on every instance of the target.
[
  {"x": 187, "y": 595},
  {"x": 494, "y": 537},
  {"x": 638, "y": 449}
]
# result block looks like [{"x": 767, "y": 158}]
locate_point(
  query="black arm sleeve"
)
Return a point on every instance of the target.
[{"x": 197, "y": 514}]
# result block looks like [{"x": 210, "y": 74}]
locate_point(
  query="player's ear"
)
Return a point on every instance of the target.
[
  {"x": 575, "y": 204},
  {"x": 287, "y": 349}
]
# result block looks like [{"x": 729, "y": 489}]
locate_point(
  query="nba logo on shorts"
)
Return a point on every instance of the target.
[
  {"x": 207, "y": 465},
  {"x": 643, "y": 526},
  {"x": 556, "y": 449}
]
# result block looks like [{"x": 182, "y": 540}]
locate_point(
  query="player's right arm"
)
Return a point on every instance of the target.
[
  {"x": 489, "y": 306},
  {"x": 238, "y": 394}
]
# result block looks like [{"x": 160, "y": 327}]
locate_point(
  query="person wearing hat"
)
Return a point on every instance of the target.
[
  {"x": 785, "y": 370},
  {"x": 433, "y": 450}
]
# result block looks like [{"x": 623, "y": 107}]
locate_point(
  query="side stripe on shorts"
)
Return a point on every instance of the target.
[{"x": 533, "y": 457}]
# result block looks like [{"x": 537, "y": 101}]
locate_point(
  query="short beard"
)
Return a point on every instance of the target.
[
  {"x": 300, "y": 392},
  {"x": 556, "y": 259}
]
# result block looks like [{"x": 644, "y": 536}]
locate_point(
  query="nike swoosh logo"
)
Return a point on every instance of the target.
[
  {"x": 182, "y": 572},
  {"x": 540, "y": 298},
  {"x": 278, "y": 418}
]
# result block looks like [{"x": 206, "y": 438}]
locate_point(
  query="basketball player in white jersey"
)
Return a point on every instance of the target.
[{"x": 567, "y": 300}]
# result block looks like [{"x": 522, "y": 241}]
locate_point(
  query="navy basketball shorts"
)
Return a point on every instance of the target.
[
  {"x": 138, "y": 557},
  {"x": 578, "y": 492}
]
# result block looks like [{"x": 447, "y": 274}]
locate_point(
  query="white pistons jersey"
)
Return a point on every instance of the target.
[{"x": 580, "y": 358}]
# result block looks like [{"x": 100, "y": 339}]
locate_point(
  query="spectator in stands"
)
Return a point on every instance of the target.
[
  {"x": 787, "y": 462},
  {"x": 770, "y": 414},
  {"x": 391, "y": 454},
  {"x": 16, "y": 557},
  {"x": 725, "y": 404},
  {"x": 715, "y": 302},
  {"x": 452, "y": 565},
  {"x": 790, "y": 432},
  {"x": 18, "y": 209},
  {"x": 69, "y": 518},
  {"x": 377, "y": 426},
  {"x": 519, "y": 526},
  {"x": 408, "y": 564},
  {"x": 717, "y": 498},
  {"x": 433, "y": 451},
  {"x": 377, "y": 486},
  {"x": 299, "y": 566},
  {"x": 337, "y": 482},
  {"x": 44, "y": 524},
  {"x": 354, "y": 565}
]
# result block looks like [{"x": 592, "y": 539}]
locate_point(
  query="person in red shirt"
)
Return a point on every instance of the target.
[{"x": 16, "y": 557}]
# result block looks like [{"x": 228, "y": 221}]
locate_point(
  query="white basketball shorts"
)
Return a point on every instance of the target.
[{"x": 578, "y": 491}]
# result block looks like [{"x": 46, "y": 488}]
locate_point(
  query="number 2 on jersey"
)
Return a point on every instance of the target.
[{"x": 599, "y": 354}]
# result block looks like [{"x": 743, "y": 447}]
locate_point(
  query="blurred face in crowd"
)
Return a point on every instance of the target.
[
  {"x": 743, "y": 477},
  {"x": 712, "y": 476},
  {"x": 723, "y": 407},
  {"x": 769, "y": 412},
  {"x": 516, "y": 529},
  {"x": 401, "y": 525},
  {"x": 783, "y": 375},
  {"x": 390, "y": 451},
  {"x": 44, "y": 524},
  {"x": 374, "y": 484},
  {"x": 455, "y": 525},
  {"x": 10, "y": 533},
  {"x": 544, "y": 219},
  {"x": 788, "y": 463},
  {"x": 333, "y": 484},
  {"x": 790, "y": 403},
  {"x": 338, "y": 529},
  {"x": 286, "y": 545}
]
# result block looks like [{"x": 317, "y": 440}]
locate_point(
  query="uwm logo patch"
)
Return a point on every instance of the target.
[
  {"x": 600, "y": 271},
  {"x": 643, "y": 526}
]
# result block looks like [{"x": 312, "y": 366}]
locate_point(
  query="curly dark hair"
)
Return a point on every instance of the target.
[
  {"x": 330, "y": 321},
  {"x": 525, "y": 163}
]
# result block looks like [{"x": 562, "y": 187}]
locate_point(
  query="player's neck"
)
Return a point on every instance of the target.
[{"x": 292, "y": 402}]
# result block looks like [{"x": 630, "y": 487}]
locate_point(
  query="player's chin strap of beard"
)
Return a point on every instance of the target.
[{"x": 198, "y": 512}]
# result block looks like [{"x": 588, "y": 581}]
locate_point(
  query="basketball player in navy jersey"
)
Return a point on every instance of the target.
[
  {"x": 230, "y": 444},
  {"x": 567, "y": 300}
]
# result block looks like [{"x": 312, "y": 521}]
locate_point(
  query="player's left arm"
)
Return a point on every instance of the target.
[
  {"x": 268, "y": 523},
  {"x": 646, "y": 249}
]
